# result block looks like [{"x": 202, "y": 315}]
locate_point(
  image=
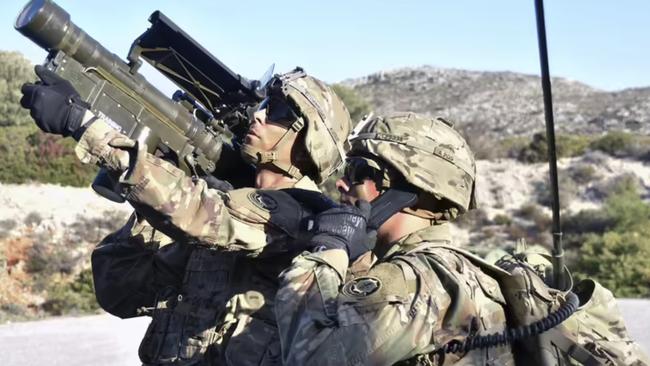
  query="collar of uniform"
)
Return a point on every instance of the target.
[
  {"x": 306, "y": 183},
  {"x": 435, "y": 233},
  {"x": 431, "y": 233}
]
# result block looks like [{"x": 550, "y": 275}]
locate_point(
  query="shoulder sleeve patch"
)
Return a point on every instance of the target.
[
  {"x": 269, "y": 207},
  {"x": 384, "y": 283},
  {"x": 361, "y": 287},
  {"x": 263, "y": 200}
]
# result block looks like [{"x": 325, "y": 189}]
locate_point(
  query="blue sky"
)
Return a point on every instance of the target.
[{"x": 605, "y": 44}]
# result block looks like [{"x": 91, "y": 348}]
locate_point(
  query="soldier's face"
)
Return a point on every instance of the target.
[{"x": 264, "y": 133}]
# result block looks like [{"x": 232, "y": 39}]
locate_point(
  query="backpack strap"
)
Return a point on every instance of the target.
[
  {"x": 572, "y": 348},
  {"x": 489, "y": 268},
  {"x": 529, "y": 303}
]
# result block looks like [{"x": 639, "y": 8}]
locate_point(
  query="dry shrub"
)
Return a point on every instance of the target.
[
  {"x": 583, "y": 173},
  {"x": 15, "y": 283},
  {"x": 33, "y": 219},
  {"x": 534, "y": 213},
  {"x": 6, "y": 226},
  {"x": 16, "y": 250},
  {"x": 472, "y": 219},
  {"x": 516, "y": 232}
]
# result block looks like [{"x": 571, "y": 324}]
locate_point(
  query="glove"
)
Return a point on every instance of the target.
[
  {"x": 54, "y": 104},
  {"x": 344, "y": 227},
  {"x": 216, "y": 183}
]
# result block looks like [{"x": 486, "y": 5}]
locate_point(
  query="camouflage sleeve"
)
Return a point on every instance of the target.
[
  {"x": 182, "y": 208},
  {"x": 377, "y": 319}
]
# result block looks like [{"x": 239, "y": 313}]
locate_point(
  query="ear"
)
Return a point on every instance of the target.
[{"x": 300, "y": 156}]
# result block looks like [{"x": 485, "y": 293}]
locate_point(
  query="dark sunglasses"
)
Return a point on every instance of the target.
[{"x": 278, "y": 110}]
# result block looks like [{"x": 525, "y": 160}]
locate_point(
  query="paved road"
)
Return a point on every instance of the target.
[{"x": 103, "y": 340}]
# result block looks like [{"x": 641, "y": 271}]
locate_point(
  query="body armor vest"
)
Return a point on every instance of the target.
[{"x": 223, "y": 312}]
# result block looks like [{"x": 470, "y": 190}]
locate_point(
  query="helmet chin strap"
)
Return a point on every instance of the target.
[
  {"x": 388, "y": 204},
  {"x": 260, "y": 157}
]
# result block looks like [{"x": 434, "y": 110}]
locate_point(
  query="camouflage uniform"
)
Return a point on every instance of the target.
[
  {"x": 424, "y": 297},
  {"x": 214, "y": 289},
  {"x": 403, "y": 307},
  {"x": 414, "y": 299}
]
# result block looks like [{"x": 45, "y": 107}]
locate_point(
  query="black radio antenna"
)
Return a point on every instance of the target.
[{"x": 558, "y": 251}]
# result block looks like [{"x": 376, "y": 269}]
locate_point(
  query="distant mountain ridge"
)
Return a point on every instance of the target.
[{"x": 501, "y": 104}]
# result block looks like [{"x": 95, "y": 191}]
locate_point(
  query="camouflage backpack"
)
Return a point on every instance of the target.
[{"x": 594, "y": 334}]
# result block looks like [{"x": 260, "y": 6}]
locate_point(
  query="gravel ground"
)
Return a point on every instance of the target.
[{"x": 104, "y": 340}]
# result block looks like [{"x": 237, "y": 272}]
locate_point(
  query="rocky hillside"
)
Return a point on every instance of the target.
[{"x": 502, "y": 104}]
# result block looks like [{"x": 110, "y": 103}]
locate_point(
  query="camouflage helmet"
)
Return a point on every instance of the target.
[
  {"x": 426, "y": 151},
  {"x": 322, "y": 115}
]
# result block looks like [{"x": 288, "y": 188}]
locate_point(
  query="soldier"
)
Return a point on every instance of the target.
[
  {"x": 417, "y": 299},
  {"x": 210, "y": 292}
]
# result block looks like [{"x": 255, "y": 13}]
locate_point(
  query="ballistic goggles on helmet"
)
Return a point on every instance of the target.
[
  {"x": 358, "y": 169},
  {"x": 278, "y": 108}
]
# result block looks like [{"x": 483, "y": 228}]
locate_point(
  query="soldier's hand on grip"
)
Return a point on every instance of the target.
[
  {"x": 344, "y": 227},
  {"x": 54, "y": 103}
]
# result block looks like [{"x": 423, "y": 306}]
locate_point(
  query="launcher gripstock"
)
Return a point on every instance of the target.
[{"x": 189, "y": 129}]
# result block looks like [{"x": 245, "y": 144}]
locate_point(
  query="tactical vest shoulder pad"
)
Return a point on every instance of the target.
[{"x": 276, "y": 208}]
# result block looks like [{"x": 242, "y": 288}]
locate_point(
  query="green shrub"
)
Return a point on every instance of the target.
[
  {"x": 588, "y": 221},
  {"x": 517, "y": 231},
  {"x": 15, "y": 70},
  {"x": 623, "y": 145},
  {"x": 486, "y": 147},
  {"x": 33, "y": 218},
  {"x": 502, "y": 219},
  {"x": 536, "y": 151},
  {"x": 511, "y": 146},
  {"x": 583, "y": 174},
  {"x": 613, "y": 143},
  {"x": 568, "y": 191},
  {"x": 31, "y": 155},
  {"x": 357, "y": 106},
  {"x": 626, "y": 208},
  {"x": 571, "y": 145},
  {"x": 534, "y": 229},
  {"x": 617, "y": 251},
  {"x": 620, "y": 261},
  {"x": 535, "y": 214},
  {"x": 76, "y": 297}
]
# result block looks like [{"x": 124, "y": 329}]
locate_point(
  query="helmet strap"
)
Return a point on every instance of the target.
[
  {"x": 260, "y": 157},
  {"x": 388, "y": 204}
]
